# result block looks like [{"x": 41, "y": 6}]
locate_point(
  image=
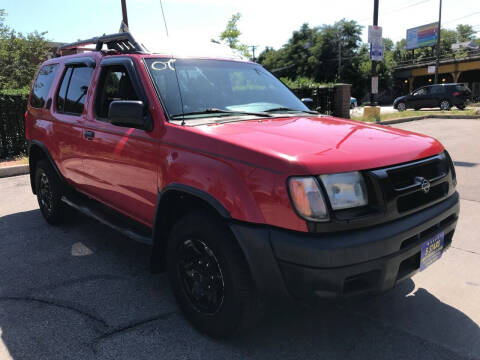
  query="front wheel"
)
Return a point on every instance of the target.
[
  {"x": 401, "y": 106},
  {"x": 209, "y": 276},
  {"x": 49, "y": 194},
  {"x": 461, "y": 107},
  {"x": 445, "y": 105}
]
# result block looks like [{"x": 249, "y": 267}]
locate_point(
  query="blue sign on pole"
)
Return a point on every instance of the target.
[{"x": 376, "y": 52}]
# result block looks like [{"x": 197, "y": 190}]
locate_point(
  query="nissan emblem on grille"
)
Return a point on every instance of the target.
[{"x": 424, "y": 184}]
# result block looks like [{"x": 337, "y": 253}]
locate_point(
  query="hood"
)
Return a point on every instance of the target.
[
  {"x": 315, "y": 145},
  {"x": 400, "y": 98}
]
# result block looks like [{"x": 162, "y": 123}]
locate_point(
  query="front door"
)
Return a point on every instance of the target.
[
  {"x": 121, "y": 162},
  {"x": 419, "y": 98}
]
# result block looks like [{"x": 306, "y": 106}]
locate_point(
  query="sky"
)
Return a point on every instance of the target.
[{"x": 263, "y": 22}]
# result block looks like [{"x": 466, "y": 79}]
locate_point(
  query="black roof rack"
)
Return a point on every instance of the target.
[{"x": 122, "y": 42}]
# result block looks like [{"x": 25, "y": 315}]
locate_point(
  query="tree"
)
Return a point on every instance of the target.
[
  {"x": 20, "y": 56},
  {"x": 465, "y": 33},
  {"x": 231, "y": 35}
]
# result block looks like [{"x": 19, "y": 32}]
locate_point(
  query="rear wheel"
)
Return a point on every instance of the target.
[
  {"x": 401, "y": 106},
  {"x": 209, "y": 276},
  {"x": 445, "y": 105},
  {"x": 49, "y": 194}
]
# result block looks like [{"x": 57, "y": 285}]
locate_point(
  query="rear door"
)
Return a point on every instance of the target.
[
  {"x": 120, "y": 162},
  {"x": 68, "y": 117}
]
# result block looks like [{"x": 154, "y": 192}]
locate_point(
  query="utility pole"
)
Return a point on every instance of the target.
[
  {"x": 253, "y": 47},
  {"x": 339, "y": 56},
  {"x": 124, "y": 12},
  {"x": 438, "y": 42},
  {"x": 374, "y": 63}
]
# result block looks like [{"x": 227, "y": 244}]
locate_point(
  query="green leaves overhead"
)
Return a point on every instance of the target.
[{"x": 20, "y": 56}]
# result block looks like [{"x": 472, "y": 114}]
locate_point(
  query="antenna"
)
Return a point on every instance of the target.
[{"x": 163, "y": 15}]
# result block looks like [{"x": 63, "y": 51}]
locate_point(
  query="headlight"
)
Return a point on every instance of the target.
[
  {"x": 345, "y": 190},
  {"x": 307, "y": 198}
]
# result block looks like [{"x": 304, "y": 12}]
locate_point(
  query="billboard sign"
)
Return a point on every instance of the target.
[{"x": 422, "y": 36}]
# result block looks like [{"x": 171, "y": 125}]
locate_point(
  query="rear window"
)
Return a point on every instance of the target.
[
  {"x": 461, "y": 87},
  {"x": 437, "y": 90},
  {"x": 73, "y": 90},
  {"x": 42, "y": 85}
]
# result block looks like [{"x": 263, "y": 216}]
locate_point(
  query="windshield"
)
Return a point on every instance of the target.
[{"x": 206, "y": 85}]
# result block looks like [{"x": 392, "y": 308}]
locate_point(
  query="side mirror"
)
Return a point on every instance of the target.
[
  {"x": 127, "y": 113},
  {"x": 308, "y": 102}
]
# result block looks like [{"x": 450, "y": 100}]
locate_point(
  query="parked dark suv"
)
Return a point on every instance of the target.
[{"x": 443, "y": 96}]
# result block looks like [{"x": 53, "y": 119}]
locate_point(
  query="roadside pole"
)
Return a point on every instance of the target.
[
  {"x": 376, "y": 54},
  {"x": 438, "y": 42},
  {"x": 374, "y": 62}
]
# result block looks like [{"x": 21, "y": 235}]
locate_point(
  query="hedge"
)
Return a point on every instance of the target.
[{"x": 12, "y": 125}]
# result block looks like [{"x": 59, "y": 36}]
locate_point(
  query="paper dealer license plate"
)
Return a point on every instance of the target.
[{"x": 431, "y": 251}]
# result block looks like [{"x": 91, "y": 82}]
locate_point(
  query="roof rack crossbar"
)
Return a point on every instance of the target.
[{"x": 123, "y": 42}]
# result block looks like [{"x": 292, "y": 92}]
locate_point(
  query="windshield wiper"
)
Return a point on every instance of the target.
[
  {"x": 221, "y": 111},
  {"x": 289, "y": 109}
]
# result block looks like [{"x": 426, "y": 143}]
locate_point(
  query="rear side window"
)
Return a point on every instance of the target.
[
  {"x": 42, "y": 85},
  {"x": 73, "y": 90},
  {"x": 437, "y": 90}
]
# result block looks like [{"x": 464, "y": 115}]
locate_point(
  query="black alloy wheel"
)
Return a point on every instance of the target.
[{"x": 201, "y": 276}]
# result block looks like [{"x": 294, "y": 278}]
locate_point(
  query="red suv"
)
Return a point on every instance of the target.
[{"x": 246, "y": 196}]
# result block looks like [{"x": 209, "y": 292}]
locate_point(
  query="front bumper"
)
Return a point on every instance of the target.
[{"x": 343, "y": 264}]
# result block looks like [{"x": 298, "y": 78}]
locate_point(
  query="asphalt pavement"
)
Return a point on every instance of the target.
[{"x": 82, "y": 291}]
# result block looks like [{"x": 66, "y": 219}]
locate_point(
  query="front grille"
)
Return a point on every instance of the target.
[
  {"x": 403, "y": 187},
  {"x": 406, "y": 175},
  {"x": 419, "y": 198}
]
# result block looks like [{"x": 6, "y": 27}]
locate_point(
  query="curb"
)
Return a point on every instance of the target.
[
  {"x": 414, "y": 118},
  {"x": 14, "y": 170}
]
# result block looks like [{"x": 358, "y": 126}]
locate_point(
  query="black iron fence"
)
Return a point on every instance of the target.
[
  {"x": 323, "y": 98},
  {"x": 12, "y": 125}
]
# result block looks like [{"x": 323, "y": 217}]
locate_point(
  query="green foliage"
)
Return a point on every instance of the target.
[
  {"x": 302, "y": 83},
  {"x": 20, "y": 56},
  {"x": 23, "y": 91},
  {"x": 465, "y": 33},
  {"x": 231, "y": 35},
  {"x": 319, "y": 55}
]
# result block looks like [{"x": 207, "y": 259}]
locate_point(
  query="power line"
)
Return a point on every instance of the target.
[
  {"x": 462, "y": 17},
  {"x": 398, "y": 9},
  {"x": 163, "y": 15}
]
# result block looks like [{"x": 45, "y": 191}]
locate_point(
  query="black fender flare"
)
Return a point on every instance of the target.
[
  {"x": 160, "y": 220},
  {"x": 44, "y": 149}
]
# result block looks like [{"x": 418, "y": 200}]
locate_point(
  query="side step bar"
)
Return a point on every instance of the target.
[{"x": 117, "y": 222}]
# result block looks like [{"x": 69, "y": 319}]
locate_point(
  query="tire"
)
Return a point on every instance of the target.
[
  {"x": 209, "y": 276},
  {"x": 461, "y": 107},
  {"x": 401, "y": 106},
  {"x": 445, "y": 105},
  {"x": 417, "y": 108},
  {"x": 49, "y": 194}
]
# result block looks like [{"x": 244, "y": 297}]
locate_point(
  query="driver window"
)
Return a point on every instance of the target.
[
  {"x": 114, "y": 85},
  {"x": 420, "y": 92}
]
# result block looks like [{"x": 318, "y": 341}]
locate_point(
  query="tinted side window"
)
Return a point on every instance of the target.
[
  {"x": 437, "y": 90},
  {"x": 73, "y": 90},
  {"x": 115, "y": 84},
  {"x": 42, "y": 85}
]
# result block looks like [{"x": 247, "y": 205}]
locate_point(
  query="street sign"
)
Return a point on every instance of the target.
[
  {"x": 374, "y": 84},
  {"x": 431, "y": 69},
  {"x": 376, "y": 52},
  {"x": 422, "y": 36},
  {"x": 375, "y": 34}
]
